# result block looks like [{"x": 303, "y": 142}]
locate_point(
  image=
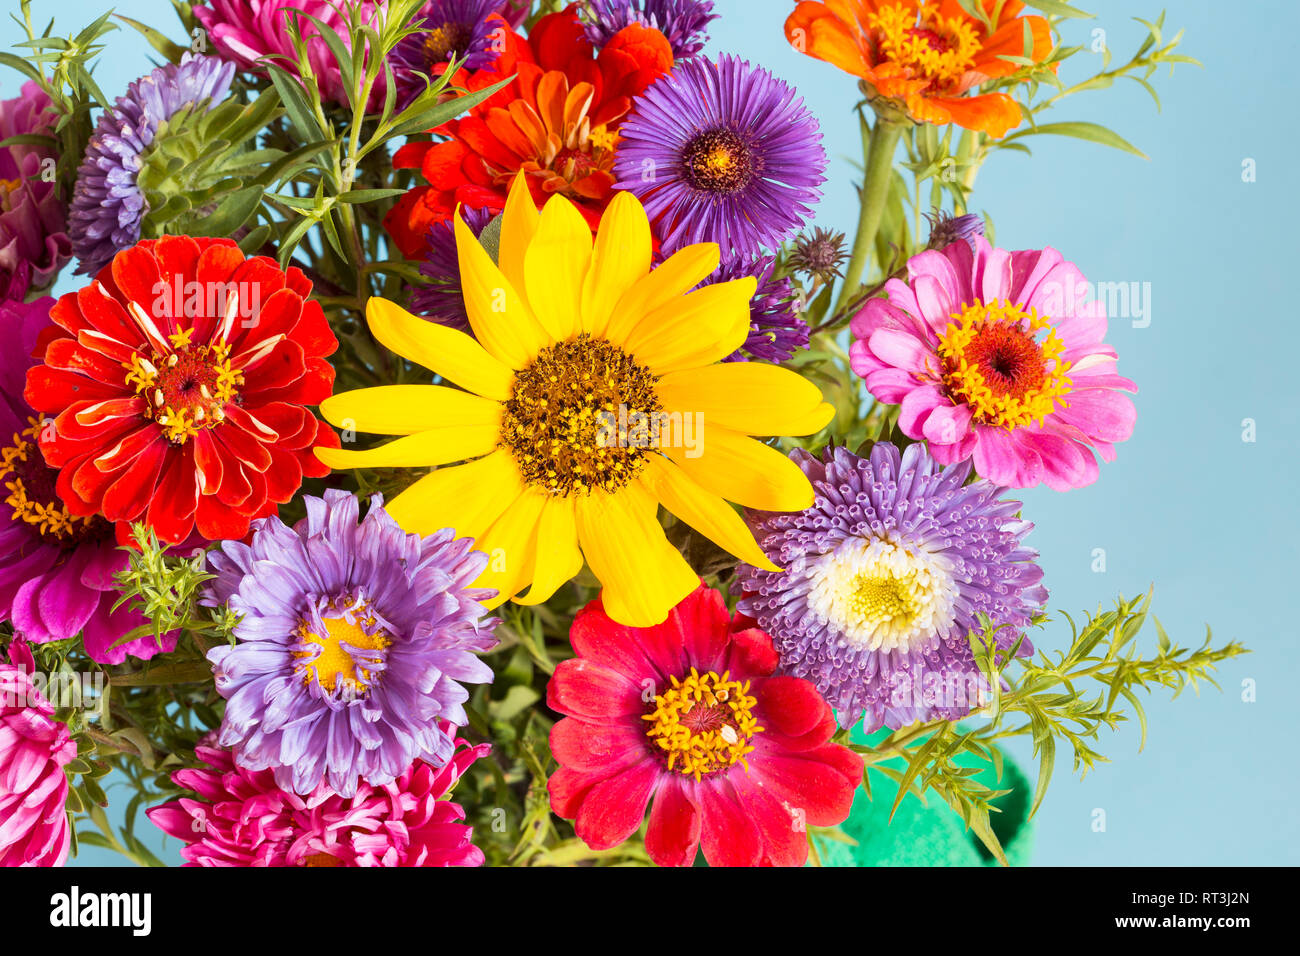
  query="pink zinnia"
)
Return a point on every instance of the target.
[
  {"x": 34, "y": 242},
  {"x": 996, "y": 356},
  {"x": 242, "y": 818},
  {"x": 34, "y": 749}
]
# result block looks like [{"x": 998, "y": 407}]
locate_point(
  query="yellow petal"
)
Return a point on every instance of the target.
[
  {"x": 499, "y": 316},
  {"x": 705, "y": 512},
  {"x": 644, "y": 577},
  {"x": 621, "y": 257},
  {"x": 555, "y": 266},
  {"x": 699, "y": 328},
  {"x": 407, "y": 409},
  {"x": 437, "y": 446},
  {"x": 453, "y": 355},
  {"x": 745, "y": 471},
  {"x": 467, "y": 497},
  {"x": 752, "y": 398},
  {"x": 680, "y": 273},
  {"x": 518, "y": 225},
  {"x": 558, "y": 558},
  {"x": 511, "y": 545}
]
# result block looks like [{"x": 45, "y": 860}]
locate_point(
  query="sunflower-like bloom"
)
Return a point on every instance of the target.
[
  {"x": 928, "y": 56},
  {"x": 593, "y": 391}
]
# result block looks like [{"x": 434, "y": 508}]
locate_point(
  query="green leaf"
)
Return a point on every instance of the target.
[
  {"x": 172, "y": 51},
  {"x": 1091, "y": 132}
]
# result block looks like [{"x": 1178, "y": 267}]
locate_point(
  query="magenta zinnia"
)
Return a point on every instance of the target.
[
  {"x": 999, "y": 357},
  {"x": 243, "y": 818},
  {"x": 34, "y": 749}
]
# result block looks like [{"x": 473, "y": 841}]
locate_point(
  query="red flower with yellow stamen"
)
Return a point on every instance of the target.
[
  {"x": 929, "y": 56},
  {"x": 689, "y": 719},
  {"x": 557, "y": 121},
  {"x": 177, "y": 383}
]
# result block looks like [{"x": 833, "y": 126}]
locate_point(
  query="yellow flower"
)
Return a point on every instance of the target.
[{"x": 592, "y": 392}]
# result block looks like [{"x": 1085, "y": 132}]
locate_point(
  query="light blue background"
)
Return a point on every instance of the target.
[{"x": 1210, "y": 519}]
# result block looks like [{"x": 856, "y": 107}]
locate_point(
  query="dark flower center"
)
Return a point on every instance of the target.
[
  {"x": 187, "y": 390},
  {"x": 446, "y": 41},
  {"x": 719, "y": 161},
  {"x": 562, "y": 422},
  {"x": 934, "y": 41},
  {"x": 1012, "y": 361}
]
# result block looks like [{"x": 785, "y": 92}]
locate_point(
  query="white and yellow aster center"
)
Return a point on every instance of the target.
[{"x": 882, "y": 595}]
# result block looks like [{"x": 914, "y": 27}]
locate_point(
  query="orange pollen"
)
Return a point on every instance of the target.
[
  {"x": 321, "y": 859},
  {"x": 704, "y": 723}
]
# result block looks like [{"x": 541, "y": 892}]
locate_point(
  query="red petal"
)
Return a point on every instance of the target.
[
  {"x": 614, "y": 808},
  {"x": 673, "y": 837},
  {"x": 728, "y": 835}
]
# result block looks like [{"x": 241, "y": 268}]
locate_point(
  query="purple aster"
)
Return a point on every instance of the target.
[
  {"x": 684, "y": 22},
  {"x": 108, "y": 206},
  {"x": 441, "y": 299},
  {"x": 34, "y": 245},
  {"x": 721, "y": 152},
  {"x": 884, "y": 577},
  {"x": 56, "y": 569},
  {"x": 353, "y": 644},
  {"x": 776, "y": 330},
  {"x": 453, "y": 29},
  {"x": 945, "y": 229}
]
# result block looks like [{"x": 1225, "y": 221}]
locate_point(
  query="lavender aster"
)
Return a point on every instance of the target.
[
  {"x": 884, "y": 576},
  {"x": 353, "y": 644},
  {"x": 683, "y": 22},
  {"x": 776, "y": 330},
  {"x": 721, "y": 152},
  {"x": 442, "y": 299},
  {"x": 108, "y": 205}
]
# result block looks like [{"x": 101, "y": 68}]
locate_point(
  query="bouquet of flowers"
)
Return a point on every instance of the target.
[{"x": 458, "y": 445}]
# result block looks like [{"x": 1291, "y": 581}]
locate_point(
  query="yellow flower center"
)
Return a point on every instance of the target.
[
  {"x": 994, "y": 362},
  {"x": 31, "y": 490},
  {"x": 925, "y": 43},
  {"x": 342, "y": 651},
  {"x": 557, "y": 423},
  {"x": 187, "y": 390},
  {"x": 719, "y": 161},
  {"x": 883, "y": 595},
  {"x": 704, "y": 723}
]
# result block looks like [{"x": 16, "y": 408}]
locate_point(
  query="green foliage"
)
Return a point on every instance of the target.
[{"x": 1061, "y": 698}]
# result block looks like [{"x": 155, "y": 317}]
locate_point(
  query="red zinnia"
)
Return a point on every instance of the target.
[
  {"x": 557, "y": 120},
  {"x": 688, "y": 712},
  {"x": 177, "y": 382}
]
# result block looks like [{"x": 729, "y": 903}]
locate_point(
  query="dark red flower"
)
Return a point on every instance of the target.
[
  {"x": 177, "y": 383},
  {"x": 557, "y": 120},
  {"x": 688, "y": 714}
]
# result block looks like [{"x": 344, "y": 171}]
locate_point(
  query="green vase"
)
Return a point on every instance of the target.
[{"x": 930, "y": 834}]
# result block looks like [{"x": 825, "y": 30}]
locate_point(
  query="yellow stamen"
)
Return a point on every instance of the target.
[
  {"x": 1029, "y": 389},
  {"x": 925, "y": 43},
  {"x": 333, "y": 661},
  {"x": 704, "y": 723}
]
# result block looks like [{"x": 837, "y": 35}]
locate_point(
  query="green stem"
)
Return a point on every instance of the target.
[{"x": 875, "y": 190}]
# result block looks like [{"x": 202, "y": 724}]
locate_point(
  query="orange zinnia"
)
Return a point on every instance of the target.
[{"x": 926, "y": 55}]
